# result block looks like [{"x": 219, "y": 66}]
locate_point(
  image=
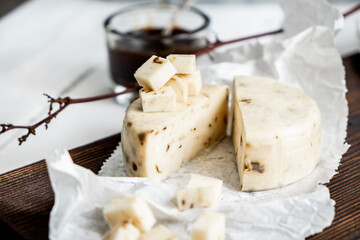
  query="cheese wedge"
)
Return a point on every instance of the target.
[
  {"x": 125, "y": 231},
  {"x": 130, "y": 209},
  {"x": 276, "y": 133},
  {"x": 184, "y": 63},
  {"x": 180, "y": 87},
  {"x": 162, "y": 100},
  {"x": 201, "y": 191},
  {"x": 159, "y": 232},
  {"x": 157, "y": 144},
  {"x": 209, "y": 226},
  {"x": 154, "y": 73}
]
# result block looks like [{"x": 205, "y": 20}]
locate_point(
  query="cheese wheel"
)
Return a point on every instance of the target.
[
  {"x": 276, "y": 133},
  {"x": 156, "y": 144}
]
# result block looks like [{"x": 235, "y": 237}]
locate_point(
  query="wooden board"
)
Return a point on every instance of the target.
[{"x": 26, "y": 196}]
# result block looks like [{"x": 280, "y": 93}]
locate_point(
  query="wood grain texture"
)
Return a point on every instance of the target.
[{"x": 26, "y": 197}]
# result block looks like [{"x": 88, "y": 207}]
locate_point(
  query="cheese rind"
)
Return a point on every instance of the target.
[
  {"x": 276, "y": 133},
  {"x": 162, "y": 100},
  {"x": 154, "y": 73},
  {"x": 209, "y": 226},
  {"x": 180, "y": 87},
  {"x": 184, "y": 63},
  {"x": 201, "y": 191},
  {"x": 133, "y": 209},
  {"x": 125, "y": 231},
  {"x": 159, "y": 232},
  {"x": 156, "y": 145}
]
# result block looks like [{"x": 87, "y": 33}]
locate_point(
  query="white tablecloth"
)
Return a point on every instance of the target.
[{"x": 58, "y": 48}]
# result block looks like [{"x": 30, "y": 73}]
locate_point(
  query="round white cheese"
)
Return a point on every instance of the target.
[{"x": 276, "y": 133}]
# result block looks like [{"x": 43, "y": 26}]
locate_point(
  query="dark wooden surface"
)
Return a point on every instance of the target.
[{"x": 26, "y": 197}]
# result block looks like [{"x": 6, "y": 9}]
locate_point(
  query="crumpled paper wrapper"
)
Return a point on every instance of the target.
[{"x": 307, "y": 60}]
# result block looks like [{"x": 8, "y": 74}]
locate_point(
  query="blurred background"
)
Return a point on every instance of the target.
[{"x": 8, "y": 5}]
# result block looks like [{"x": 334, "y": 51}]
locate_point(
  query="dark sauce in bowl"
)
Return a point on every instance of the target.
[{"x": 129, "y": 52}]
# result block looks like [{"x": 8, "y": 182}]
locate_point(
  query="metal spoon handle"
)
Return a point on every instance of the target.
[{"x": 169, "y": 29}]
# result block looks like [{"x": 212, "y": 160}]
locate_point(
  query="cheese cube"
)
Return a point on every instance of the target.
[
  {"x": 162, "y": 100},
  {"x": 276, "y": 133},
  {"x": 183, "y": 63},
  {"x": 157, "y": 144},
  {"x": 194, "y": 82},
  {"x": 180, "y": 87},
  {"x": 159, "y": 232},
  {"x": 154, "y": 73},
  {"x": 125, "y": 231},
  {"x": 196, "y": 197},
  {"x": 201, "y": 191},
  {"x": 197, "y": 181},
  {"x": 209, "y": 226},
  {"x": 133, "y": 209}
]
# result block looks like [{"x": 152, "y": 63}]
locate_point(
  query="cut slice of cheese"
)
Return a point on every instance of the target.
[
  {"x": 276, "y": 133},
  {"x": 159, "y": 232},
  {"x": 157, "y": 144},
  {"x": 201, "y": 191},
  {"x": 197, "y": 181},
  {"x": 130, "y": 209},
  {"x": 162, "y": 100},
  {"x": 209, "y": 226},
  {"x": 194, "y": 82},
  {"x": 180, "y": 87},
  {"x": 184, "y": 63},
  {"x": 196, "y": 197},
  {"x": 154, "y": 73},
  {"x": 125, "y": 231}
]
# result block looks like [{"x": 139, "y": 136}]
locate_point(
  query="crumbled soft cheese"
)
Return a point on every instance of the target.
[
  {"x": 209, "y": 226},
  {"x": 184, "y": 63},
  {"x": 130, "y": 209},
  {"x": 162, "y": 100},
  {"x": 276, "y": 133},
  {"x": 154, "y": 73}
]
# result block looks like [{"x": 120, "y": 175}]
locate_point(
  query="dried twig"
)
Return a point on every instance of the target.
[
  {"x": 219, "y": 43},
  {"x": 62, "y": 104},
  {"x": 351, "y": 11}
]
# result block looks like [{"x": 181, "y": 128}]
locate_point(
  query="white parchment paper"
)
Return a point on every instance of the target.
[{"x": 307, "y": 60}]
